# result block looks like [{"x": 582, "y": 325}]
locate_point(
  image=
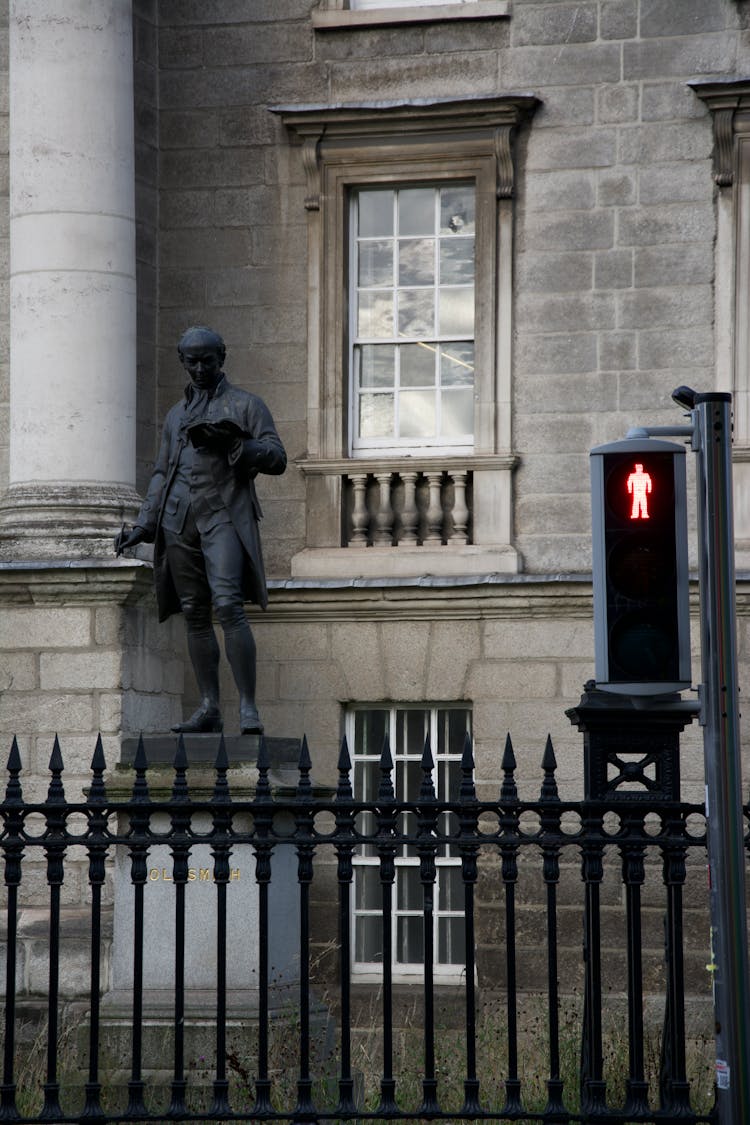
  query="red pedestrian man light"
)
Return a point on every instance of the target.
[{"x": 639, "y": 487}]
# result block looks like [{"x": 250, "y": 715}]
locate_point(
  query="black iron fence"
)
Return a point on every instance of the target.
[{"x": 493, "y": 842}]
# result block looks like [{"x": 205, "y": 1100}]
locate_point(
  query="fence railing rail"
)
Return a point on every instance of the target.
[{"x": 496, "y": 841}]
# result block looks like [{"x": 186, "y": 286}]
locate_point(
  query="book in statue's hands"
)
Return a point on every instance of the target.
[{"x": 219, "y": 435}]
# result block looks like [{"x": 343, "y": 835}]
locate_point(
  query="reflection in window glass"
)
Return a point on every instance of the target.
[
  {"x": 407, "y": 728},
  {"x": 416, "y": 210},
  {"x": 416, "y": 261},
  {"x": 413, "y": 261},
  {"x": 376, "y": 365},
  {"x": 458, "y": 410},
  {"x": 456, "y": 312},
  {"x": 417, "y": 365},
  {"x": 375, "y": 415},
  {"x": 417, "y": 413},
  {"x": 457, "y": 365},
  {"x": 375, "y": 213},
  {"x": 376, "y": 263}
]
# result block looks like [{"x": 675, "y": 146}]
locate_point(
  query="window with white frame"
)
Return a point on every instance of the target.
[
  {"x": 407, "y": 727},
  {"x": 361, "y": 13},
  {"x": 412, "y": 317}
]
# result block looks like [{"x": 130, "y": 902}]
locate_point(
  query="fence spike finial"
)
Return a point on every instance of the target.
[
  {"x": 549, "y": 765},
  {"x": 467, "y": 790},
  {"x": 508, "y": 790},
  {"x": 140, "y": 765},
  {"x": 56, "y": 791},
  {"x": 13, "y": 790},
  {"x": 385, "y": 789},
  {"x": 221, "y": 765},
  {"x": 344, "y": 788},
  {"x": 427, "y": 764},
  {"x": 98, "y": 792},
  {"x": 180, "y": 790},
  {"x": 304, "y": 785}
]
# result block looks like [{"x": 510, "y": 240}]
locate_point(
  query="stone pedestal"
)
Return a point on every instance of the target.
[{"x": 201, "y": 896}]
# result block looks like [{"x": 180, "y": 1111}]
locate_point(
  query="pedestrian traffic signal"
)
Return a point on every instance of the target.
[{"x": 640, "y": 567}]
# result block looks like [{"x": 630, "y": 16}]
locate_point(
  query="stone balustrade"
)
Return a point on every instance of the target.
[{"x": 420, "y": 506}]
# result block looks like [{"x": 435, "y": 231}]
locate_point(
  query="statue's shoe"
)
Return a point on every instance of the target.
[
  {"x": 250, "y": 721},
  {"x": 206, "y": 720}
]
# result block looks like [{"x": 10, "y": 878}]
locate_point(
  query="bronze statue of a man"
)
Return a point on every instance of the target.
[{"x": 201, "y": 512}]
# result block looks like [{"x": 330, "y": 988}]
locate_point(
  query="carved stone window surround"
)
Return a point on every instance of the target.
[
  {"x": 420, "y": 141},
  {"x": 729, "y": 103}
]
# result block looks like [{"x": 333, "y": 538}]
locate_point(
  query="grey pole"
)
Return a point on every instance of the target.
[{"x": 721, "y": 741}]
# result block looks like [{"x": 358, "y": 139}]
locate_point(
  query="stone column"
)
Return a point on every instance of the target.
[{"x": 72, "y": 279}]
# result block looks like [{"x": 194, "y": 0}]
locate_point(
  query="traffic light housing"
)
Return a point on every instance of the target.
[{"x": 640, "y": 567}]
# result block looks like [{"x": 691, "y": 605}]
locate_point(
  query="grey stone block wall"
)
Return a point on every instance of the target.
[
  {"x": 4, "y": 251},
  {"x": 615, "y": 215}
]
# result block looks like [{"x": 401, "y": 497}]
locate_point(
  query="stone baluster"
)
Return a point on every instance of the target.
[
  {"x": 360, "y": 515},
  {"x": 383, "y": 536},
  {"x": 460, "y": 511},
  {"x": 434, "y": 534},
  {"x": 410, "y": 514}
]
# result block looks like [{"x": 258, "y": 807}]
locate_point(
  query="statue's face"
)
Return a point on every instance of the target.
[{"x": 203, "y": 365}]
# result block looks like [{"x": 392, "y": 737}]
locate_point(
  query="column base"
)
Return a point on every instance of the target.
[{"x": 72, "y": 520}]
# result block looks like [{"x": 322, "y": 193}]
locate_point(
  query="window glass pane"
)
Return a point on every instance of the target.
[
  {"x": 413, "y": 734},
  {"x": 457, "y": 365},
  {"x": 409, "y": 944},
  {"x": 368, "y": 888},
  {"x": 457, "y": 413},
  {"x": 456, "y": 311},
  {"x": 450, "y": 894},
  {"x": 376, "y": 264},
  {"x": 416, "y": 211},
  {"x": 375, "y": 313},
  {"x": 368, "y": 938},
  {"x": 375, "y": 213},
  {"x": 456, "y": 261},
  {"x": 417, "y": 414},
  {"x": 376, "y": 416},
  {"x": 416, "y": 262},
  {"x": 417, "y": 363},
  {"x": 454, "y": 780},
  {"x": 409, "y": 890},
  {"x": 447, "y": 726},
  {"x": 451, "y": 941},
  {"x": 366, "y": 779},
  {"x": 370, "y": 729},
  {"x": 457, "y": 209},
  {"x": 377, "y": 363},
  {"x": 458, "y": 724},
  {"x": 416, "y": 312}
]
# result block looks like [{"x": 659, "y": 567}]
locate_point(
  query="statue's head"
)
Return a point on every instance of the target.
[
  {"x": 205, "y": 339},
  {"x": 202, "y": 352}
]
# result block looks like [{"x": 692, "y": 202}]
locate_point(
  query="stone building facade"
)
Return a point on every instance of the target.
[{"x": 578, "y": 170}]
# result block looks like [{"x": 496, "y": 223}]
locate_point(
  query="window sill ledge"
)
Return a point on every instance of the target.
[
  {"x": 404, "y": 562},
  {"x": 332, "y": 20}
]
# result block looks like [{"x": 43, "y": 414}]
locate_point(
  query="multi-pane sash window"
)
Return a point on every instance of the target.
[
  {"x": 407, "y": 729},
  {"x": 412, "y": 330}
]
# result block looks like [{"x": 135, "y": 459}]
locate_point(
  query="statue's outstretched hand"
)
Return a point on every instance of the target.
[{"x": 129, "y": 537}]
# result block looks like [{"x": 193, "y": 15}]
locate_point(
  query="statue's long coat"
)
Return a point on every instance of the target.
[{"x": 263, "y": 452}]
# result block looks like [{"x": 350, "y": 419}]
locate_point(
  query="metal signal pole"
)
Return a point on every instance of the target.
[{"x": 712, "y": 441}]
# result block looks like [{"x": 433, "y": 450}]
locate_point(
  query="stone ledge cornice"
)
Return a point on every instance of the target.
[
  {"x": 488, "y": 596},
  {"x": 116, "y": 581},
  {"x": 395, "y": 463}
]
